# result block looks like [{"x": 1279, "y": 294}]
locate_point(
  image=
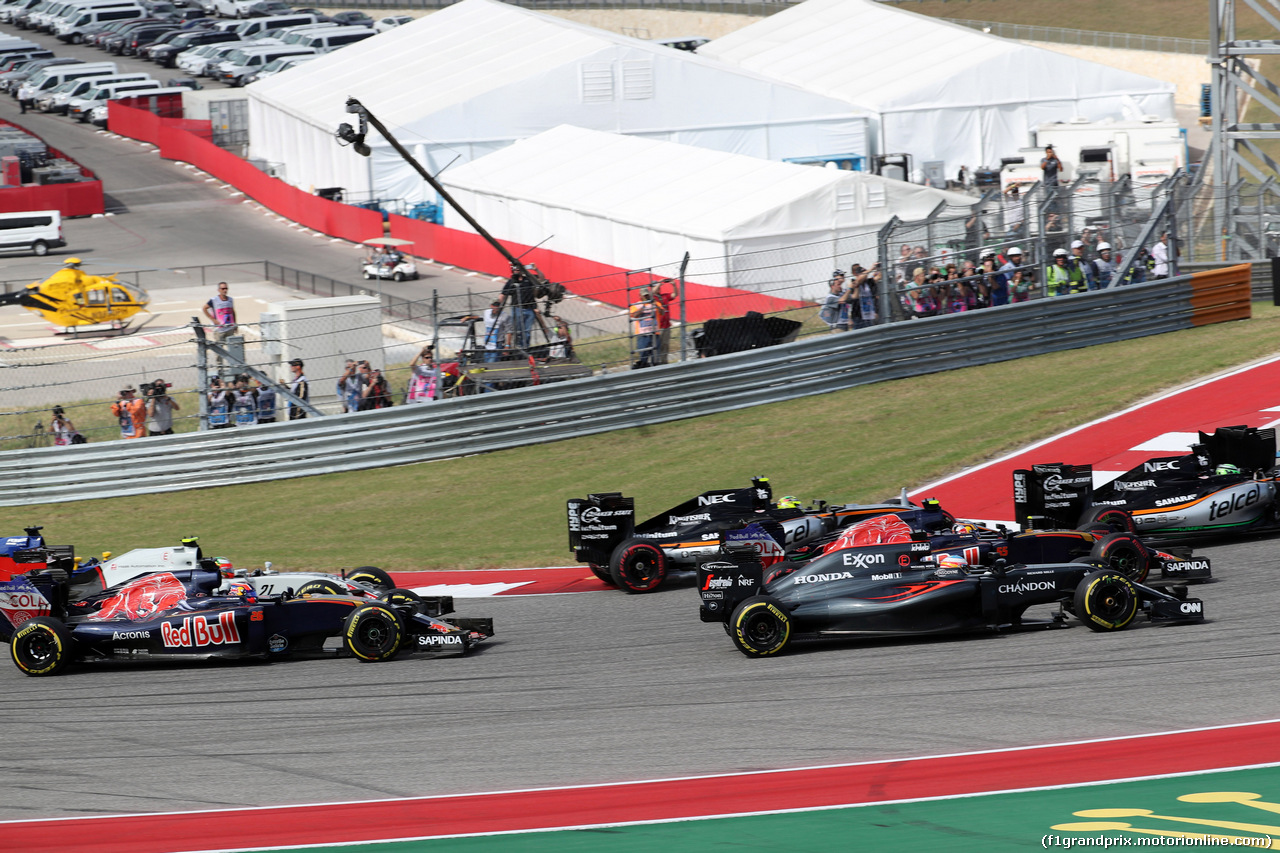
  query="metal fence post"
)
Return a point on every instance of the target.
[
  {"x": 202, "y": 374},
  {"x": 684, "y": 320}
]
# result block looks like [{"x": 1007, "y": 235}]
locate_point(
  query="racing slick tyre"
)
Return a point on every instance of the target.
[
  {"x": 42, "y": 646},
  {"x": 601, "y": 572},
  {"x": 1124, "y": 553},
  {"x": 322, "y": 587},
  {"x": 637, "y": 565},
  {"x": 759, "y": 626},
  {"x": 1111, "y": 517},
  {"x": 373, "y": 632},
  {"x": 1106, "y": 601},
  {"x": 400, "y": 596},
  {"x": 374, "y": 577}
]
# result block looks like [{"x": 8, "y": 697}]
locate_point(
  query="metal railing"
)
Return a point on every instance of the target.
[
  {"x": 1091, "y": 38},
  {"x": 469, "y": 425}
]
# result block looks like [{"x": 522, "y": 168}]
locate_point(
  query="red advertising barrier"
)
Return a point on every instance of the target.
[
  {"x": 579, "y": 275},
  {"x": 83, "y": 198},
  {"x": 189, "y": 141}
]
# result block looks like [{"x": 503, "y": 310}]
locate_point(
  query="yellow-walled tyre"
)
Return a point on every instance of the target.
[
  {"x": 374, "y": 577},
  {"x": 42, "y": 646},
  {"x": 760, "y": 626},
  {"x": 373, "y": 632},
  {"x": 1106, "y": 601}
]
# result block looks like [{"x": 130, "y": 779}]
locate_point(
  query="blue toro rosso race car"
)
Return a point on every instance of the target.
[
  {"x": 194, "y": 613},
  {"x": 901, "y": 588},
  {"x": 1225, "y": 486}
]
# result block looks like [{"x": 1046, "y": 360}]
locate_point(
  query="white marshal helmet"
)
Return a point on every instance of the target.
[
  {"x": 1104, "y": 247},
  {"x": 1059, "y": 253}
]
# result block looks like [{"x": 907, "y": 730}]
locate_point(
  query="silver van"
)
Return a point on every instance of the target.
[
  {"x": 327, "y": 41},
  {"x": 56, "y": 99},
  {"x": 36, "y": 231},
  {"x": 81, "y": 107},
  {"x": 255, "y": 26},
  {"x": 56, "y": 75},
  {"x": 72, "y": 30},
  {"x": 245, "y": 61}
]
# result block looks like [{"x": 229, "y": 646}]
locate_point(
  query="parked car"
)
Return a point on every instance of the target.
[
  {"x": 268, "y": 8},
  {"x": 166, "y": 55},
  {"x": 352, "y": 19},
  {"x": 392, "y": 22}
]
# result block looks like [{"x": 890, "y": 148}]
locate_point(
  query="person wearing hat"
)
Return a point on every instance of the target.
[
  {"x": 160, "y": 406},
  {"x": 496, "y": 328},
  {"x": 1063, "y": 278},
  {"x": 298, "y": 388},
  {"x": 131, "y": 413},
  {"x": 64, "y": 432},
  {"x": 835, "y": 308},
  {"x": 1019, "y": 280},
  {"x": 1076, "y": 261},
  {"x": 1103, "y": 267}
]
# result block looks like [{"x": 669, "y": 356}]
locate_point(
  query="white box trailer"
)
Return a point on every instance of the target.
[{"x": 1151, "y": 149}]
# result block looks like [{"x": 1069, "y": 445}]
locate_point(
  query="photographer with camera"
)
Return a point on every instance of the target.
[
  {"x": 520, "y": 297},
  {"x": 160, "y": 406},
  {"x": 131, "y": 413}
]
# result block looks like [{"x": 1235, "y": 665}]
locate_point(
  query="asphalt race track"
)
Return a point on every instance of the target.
[{"x": 602, "y": 687}]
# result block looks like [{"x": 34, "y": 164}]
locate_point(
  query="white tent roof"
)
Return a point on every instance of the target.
[
  {"x": 635, "y": 203},
  {"x": 712, "y": 195},
  {"x": 480, "y": 74},
  {"x": 893, "y": 61}
]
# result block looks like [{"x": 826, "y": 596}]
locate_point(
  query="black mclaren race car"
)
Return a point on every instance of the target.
[
  {"x": 887, "y": 590},
  {"x": 638, "y": 557},
  {"x": 189, "y": 613},
  {"x": 1109, "y": 541},
  {"x": 1226, "y": 485}
]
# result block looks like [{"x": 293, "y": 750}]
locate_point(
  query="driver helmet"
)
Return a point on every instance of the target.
[
  {"x": 242, "y": 589},
  {"x": 1226, "y": 469},
  {"x": 788, "y": 502},
  {"x": 964, "y": 528},
  {"x": 225, "y": 568},
  {"x": 951, "y": 561}
]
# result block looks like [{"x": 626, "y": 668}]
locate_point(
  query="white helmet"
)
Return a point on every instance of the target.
[
  {"x": 1059, "y": 253},
  {"x": 1104, "y": 247},
  {"x": 1014, "y": 251}
]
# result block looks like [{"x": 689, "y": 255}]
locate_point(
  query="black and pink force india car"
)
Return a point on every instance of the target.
[
  {"x": 887, "y": 590},
  {"x": 1107, "y": 542},
  {"x": 188, "y": 613},
  {"x": 603, "y": 532},
  {"x": 1225, "y": 486}
]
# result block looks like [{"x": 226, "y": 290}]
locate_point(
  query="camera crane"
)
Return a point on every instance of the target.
[{"x": 355, "y": 137}]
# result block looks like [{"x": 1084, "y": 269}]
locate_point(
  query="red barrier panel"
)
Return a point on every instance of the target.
[
  {"x": 189, "y": 141},
  {"x": 581, "y": 276}
]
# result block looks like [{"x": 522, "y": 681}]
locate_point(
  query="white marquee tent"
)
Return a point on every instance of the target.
[
  {"x": 635, "y": 203},
  {"x": 476, "y": 76},
  {"x": 942, "y": 92}
]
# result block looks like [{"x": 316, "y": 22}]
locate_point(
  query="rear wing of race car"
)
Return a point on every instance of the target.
[
  {"x": 597, "y": 523},
  {"x": 1248, "y": 448},
  {"x": 1048, "y": 497}
]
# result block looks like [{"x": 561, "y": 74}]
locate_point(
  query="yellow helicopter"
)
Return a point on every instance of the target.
[{"x": 71, "y": 298}]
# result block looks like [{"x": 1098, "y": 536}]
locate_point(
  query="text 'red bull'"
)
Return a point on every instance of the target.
[{"x": 196, "y": 631}]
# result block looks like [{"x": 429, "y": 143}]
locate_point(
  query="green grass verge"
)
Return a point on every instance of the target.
[{"x": 507, "y": 508}]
